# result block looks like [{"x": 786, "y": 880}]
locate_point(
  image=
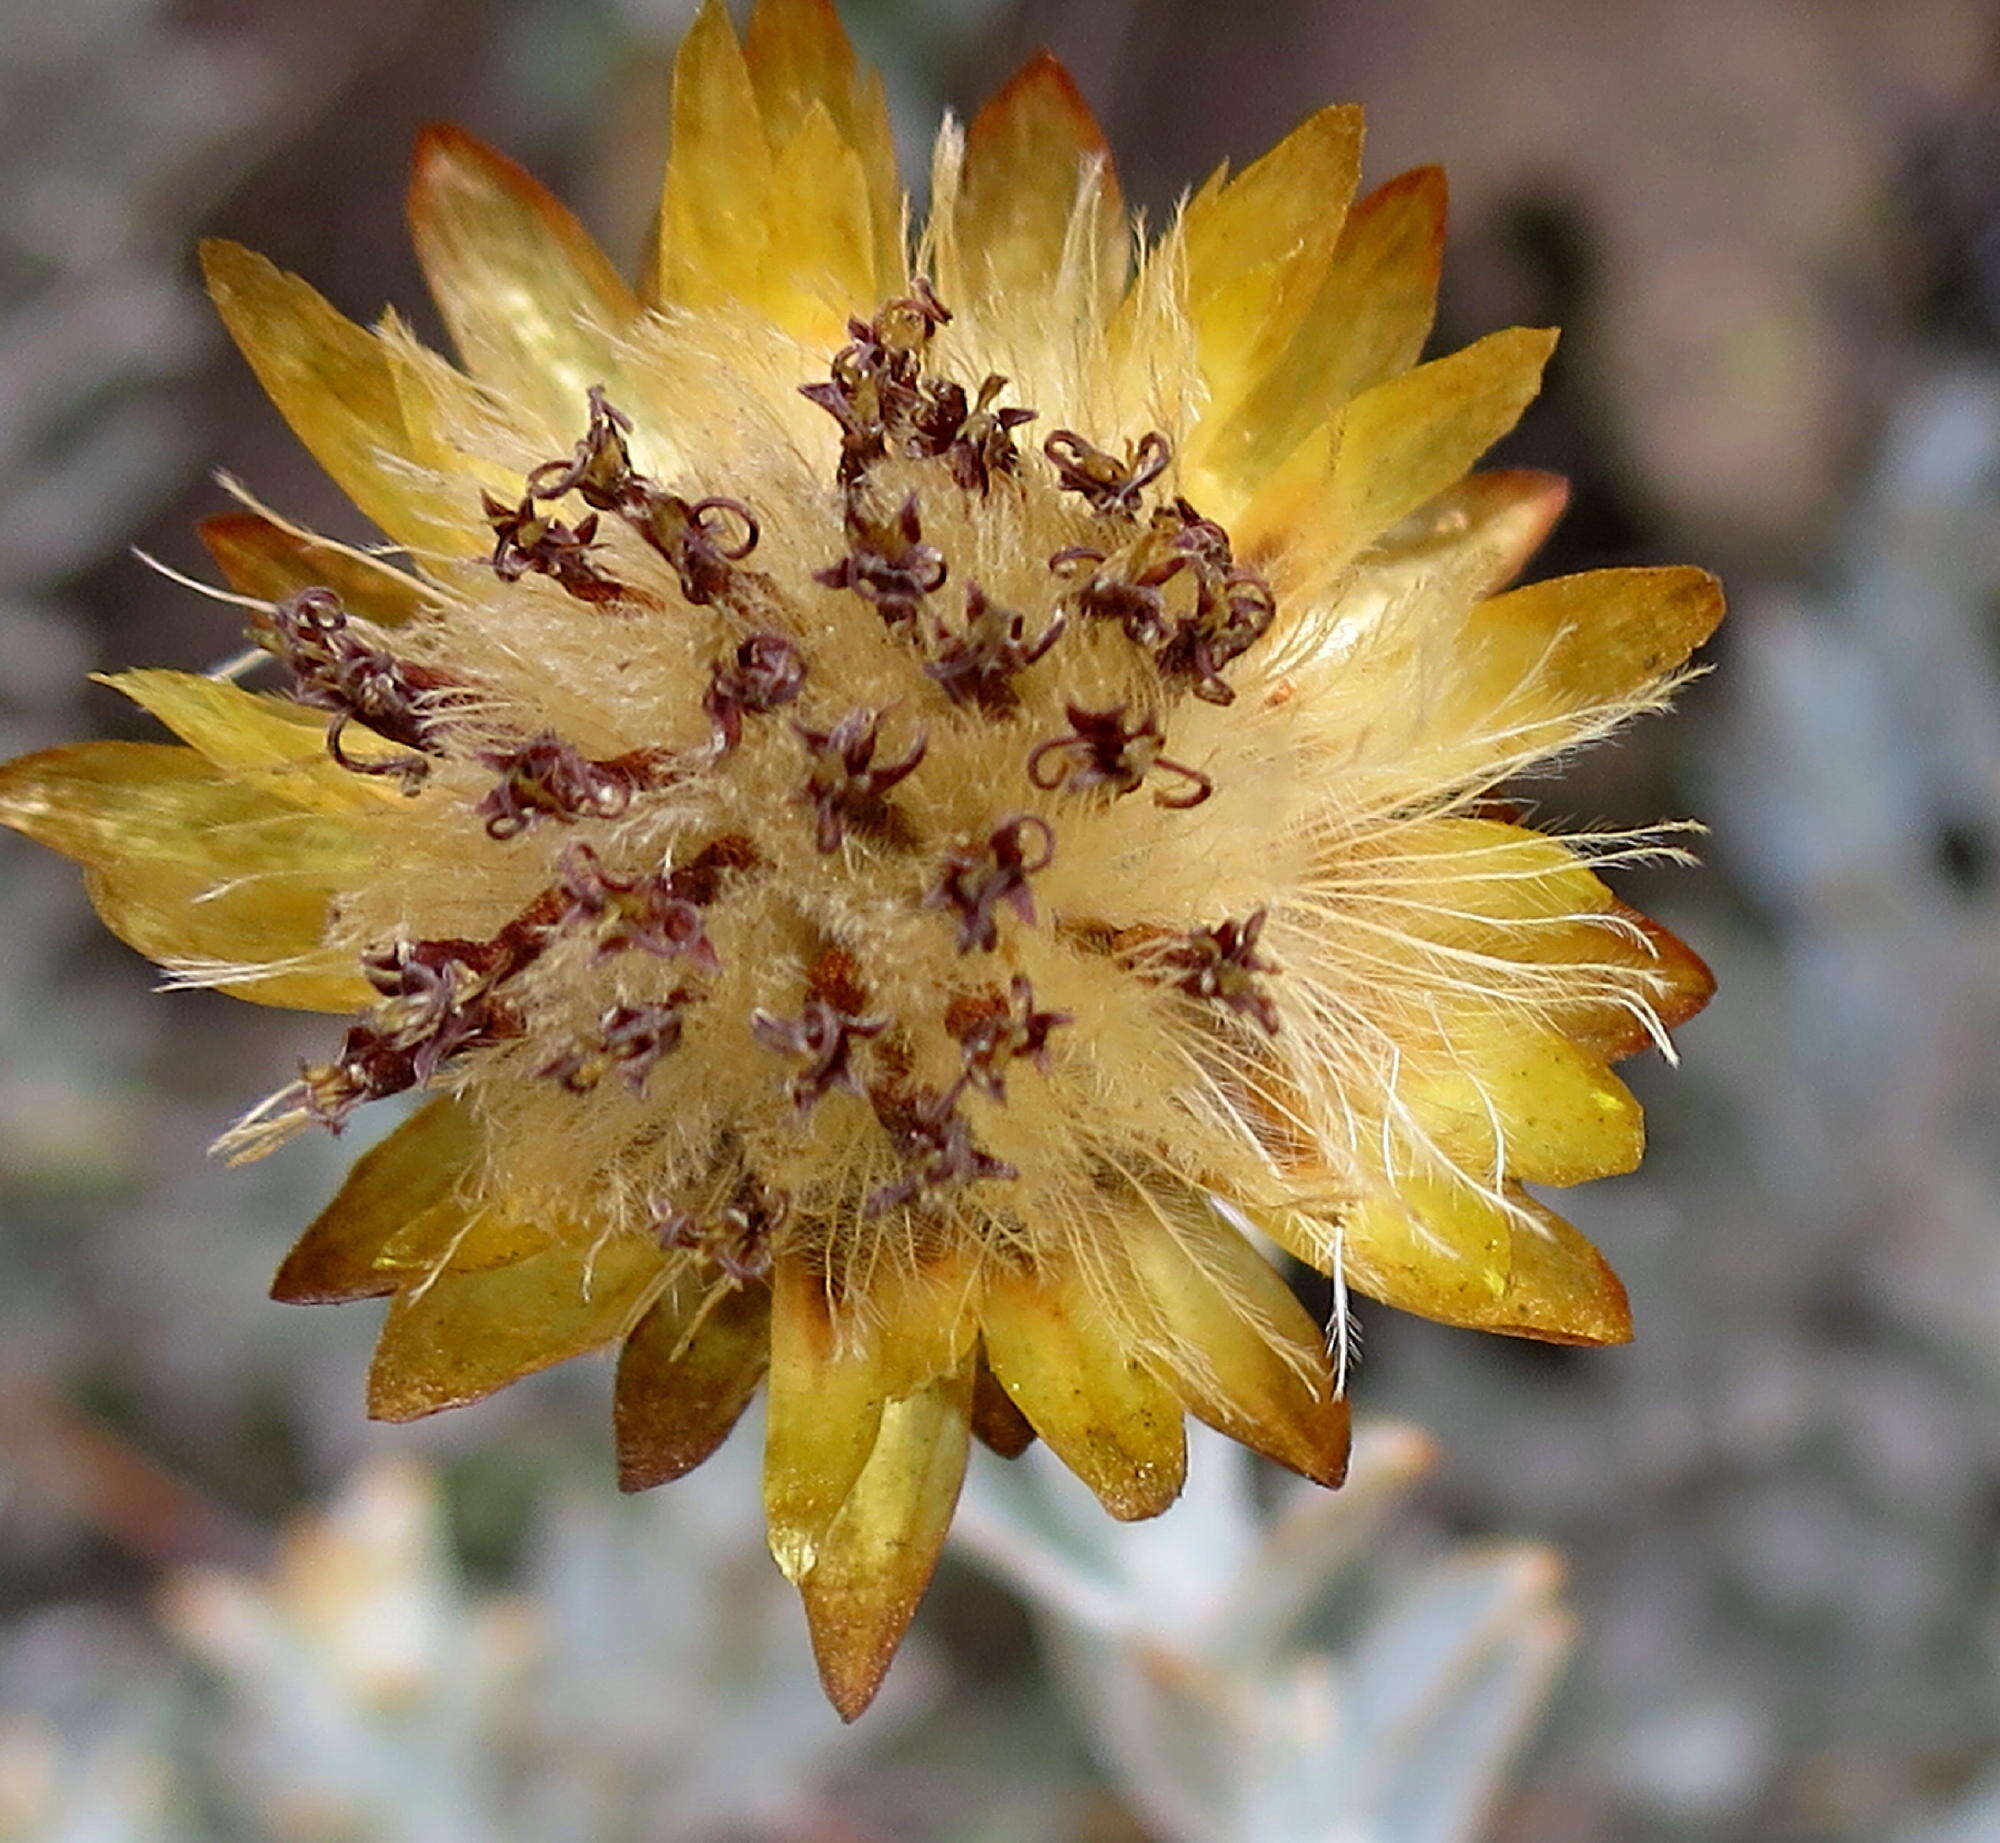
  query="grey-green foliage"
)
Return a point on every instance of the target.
[
  {"x": 1245, "y": 1674},
  {"x": 1253, "y": 1675},
  {"x": 645, "y": 1678}
]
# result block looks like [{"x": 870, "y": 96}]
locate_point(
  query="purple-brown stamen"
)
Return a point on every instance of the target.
[
  {"x": 599, "y": 470},
  {"x": 641, "y": 913},
  {"x": 703, "y": 539},
  {"x": 887, "y": 563},
  {"x": 1111, "y": 486},
  {"x": 552, "y": 779},
  {"x": 826, "y": 1036},
  {"x": 935, "y": 1140},
  {"x": 973, "y": 438},
  {"x": 629, "y": 1040},
  {"x": 978, "y": 665},
  {"x": 1221, "y": 964},
  {"x": 739, "y": 1239},
  {"x": 1102, "y": 749},
  {"x": 528, "y": 540},
  {"x": 334, "y": 669},
  {"x": 766, "y": 673},
  {"x": 873, "y": 392},
  {"x": 993, "y": 1030},
  {"x": 977, "y": 879},
  {"x": 844, "y": 787}
]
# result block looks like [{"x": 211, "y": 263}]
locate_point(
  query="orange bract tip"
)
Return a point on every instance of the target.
[
  {"x": 1041, "y": 97},
  {"x": 1416, "y": 203},
  {"x": 439, "y": 143},
  {"x": 534, "y": 306},
  {"x": 415, "y": 1169},
  {"x": 685, "y": 1375},
  {"x": 1038, "y": 210},
  {"x": 1690, "y": 983},
  {"x": 257, "y": 556},
  {"x": 1532, "y": 498}
]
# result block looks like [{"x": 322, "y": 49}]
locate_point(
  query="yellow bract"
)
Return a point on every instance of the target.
[
  {"x": 1109, "y": 1418},
  {"x": 535, "y": 307},
  {"x": 871, "y": 1564},
  {"x": 1243, "y": 1354},
  {"x": 422, "y": 1166},
  {"x": 1367, "y": 322},
  {"x": 350, "y": 395},
  {"x": 1538, "y": 658},
  {"x": 1447, "y": 1250},
  {"x": 197, "y": 867},
  {"x": 825, "y": 1406},
  {"x": 1258, "y": 249},
  {"x": 460, "y": 1335},
  {"x": 1392, "y": 449},
  {"x": 269, "y": 742},
  {"x": 781, "y": 191},
  {"x": 1038, "y": 196}
]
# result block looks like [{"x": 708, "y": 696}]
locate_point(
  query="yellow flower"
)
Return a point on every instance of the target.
[{"x": 903, "y": 803}]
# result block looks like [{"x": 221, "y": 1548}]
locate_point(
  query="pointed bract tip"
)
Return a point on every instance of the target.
[
  {"x": 319, "y": 1272},
  {"x": 223, "y": 264},
  {"x": 442, "y": 140},
  {"x": 1042, "y": 84},
  {"x": 817, "y": 16},
  {"x": 1325, "y": 1461},
  {"x": 852, "y": 1676},
  {"x": 1597, "y": 1320},
  {"x": 1428, "y": 185},
  {"x": 444, "y": 155}
]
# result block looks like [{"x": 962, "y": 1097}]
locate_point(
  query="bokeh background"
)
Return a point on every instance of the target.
[{"x": 230, "y": 1608}]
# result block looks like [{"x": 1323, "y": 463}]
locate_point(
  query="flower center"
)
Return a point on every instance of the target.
[{"x": 837, "y": 885}]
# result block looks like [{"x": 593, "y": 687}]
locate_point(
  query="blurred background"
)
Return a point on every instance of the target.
[{"x": 1735, "y": 1584}]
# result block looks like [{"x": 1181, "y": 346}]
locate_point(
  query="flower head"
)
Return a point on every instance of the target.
[{"x": 990, "y": 744}]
